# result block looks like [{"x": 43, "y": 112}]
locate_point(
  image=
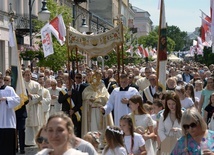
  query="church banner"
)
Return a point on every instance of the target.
[{"x": 95, "y": 45}]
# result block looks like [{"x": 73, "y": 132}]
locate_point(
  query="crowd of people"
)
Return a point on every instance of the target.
[{"x": 91, "y": 111}]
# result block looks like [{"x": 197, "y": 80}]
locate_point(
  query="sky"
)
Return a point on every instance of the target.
[{"x": 184, "y": 14}]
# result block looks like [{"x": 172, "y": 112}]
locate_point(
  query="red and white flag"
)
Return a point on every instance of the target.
[
  {"x": 143, "y": 51},
  {"x": 47, "y": 43},
  {"x": 206, "y": 30},
  {"x": 137, "y": 51},
  {"x": 162, "y": 48},
  {"x": 57, "y": 27},
  {"x": 146, "y": 52},
  {"x": 130, "y": 50}
]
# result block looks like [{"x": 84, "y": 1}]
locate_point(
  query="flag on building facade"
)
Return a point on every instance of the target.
[
  {"x": 162, "y": 48},
  {"x": 57, "y": 27},
  {"x": 47, "y": 43},
  {"x": 17, "y": 79}
]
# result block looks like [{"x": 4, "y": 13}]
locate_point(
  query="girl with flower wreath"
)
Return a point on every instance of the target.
[{"x": 114, "y": 140}]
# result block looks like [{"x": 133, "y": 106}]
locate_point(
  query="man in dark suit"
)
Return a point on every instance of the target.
[
  {"x": 186, "y": 75},
  {"x": 71, "y": 105},
  {"x": 131, "y": 81},
  {"x": 110, "y": 73}
]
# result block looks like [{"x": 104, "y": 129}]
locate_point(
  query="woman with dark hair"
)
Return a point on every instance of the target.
[
  {"x": 169, "y": 123},
  {"x": 209, "y": 110}
]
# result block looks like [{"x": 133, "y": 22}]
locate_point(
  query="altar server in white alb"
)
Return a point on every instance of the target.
[
  {"x": 8, "y": 101},
  {"x": 34, "y": 116},
  {"x": 119, "y": 99}
]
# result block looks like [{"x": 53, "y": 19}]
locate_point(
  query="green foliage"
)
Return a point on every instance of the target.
[
  {"x": 178, "y": 36},
  {"x": 152, "y": 41},
  {"x": 208, "y": 57}
]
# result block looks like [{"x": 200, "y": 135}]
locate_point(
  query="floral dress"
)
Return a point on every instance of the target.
[{"x": 192, "y": 146}]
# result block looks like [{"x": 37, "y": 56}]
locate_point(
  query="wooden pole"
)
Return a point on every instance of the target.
[
  {"x": 118, "y": 64},
  {"x": 68, "y": 57},
  {"x": 158, "y": 48},
  {"x": 77, "y": 59}
]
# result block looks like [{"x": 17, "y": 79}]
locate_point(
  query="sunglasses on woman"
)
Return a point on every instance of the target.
[
  {"x": 187, "y": 126},
  {"x": 40, "y": 140}
]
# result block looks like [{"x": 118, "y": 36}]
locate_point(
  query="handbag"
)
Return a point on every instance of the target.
[{"x": 168, "y": 144}]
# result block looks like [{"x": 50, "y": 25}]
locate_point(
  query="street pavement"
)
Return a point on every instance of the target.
[{"x": 29, "y": 151}]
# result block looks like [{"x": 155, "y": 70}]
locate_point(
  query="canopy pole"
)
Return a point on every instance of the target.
[
  {"x": 68, "y": 58},
  {"x": 118, "y": 64},
  {"x": 77, "y": 59}
]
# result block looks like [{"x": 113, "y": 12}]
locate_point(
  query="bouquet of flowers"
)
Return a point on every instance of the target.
[{"x": 30, "y": 52}]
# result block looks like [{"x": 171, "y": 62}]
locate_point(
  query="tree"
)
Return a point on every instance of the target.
[
  {"x": 178, "y": 36},
  {"x": 152, "y": 40}
]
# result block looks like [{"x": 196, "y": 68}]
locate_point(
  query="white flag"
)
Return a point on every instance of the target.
[
  {"x": 47, "y": 43},
  {"x": 12, "y": 42},
  {"x": 16, "y": 73},
  {"x": 57, "y": 27}
]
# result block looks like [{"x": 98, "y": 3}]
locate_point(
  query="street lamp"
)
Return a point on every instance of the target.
[
  {"x": 43, "y": 15},
  {"x": 84, "y": 27},
  {"x": 11, "y": 13}
]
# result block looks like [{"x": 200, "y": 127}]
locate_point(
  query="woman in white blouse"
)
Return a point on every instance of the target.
[{"x": 169, "y": 123}]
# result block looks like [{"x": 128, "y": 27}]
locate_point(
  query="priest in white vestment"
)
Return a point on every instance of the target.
[
  {"x": 33, "y": 121},
  {"x": 94, "y": 97},
  {"x": 54, "y": 92},
  {"x": 119, "y": 99},
  {"x": 45, "y": 102}
]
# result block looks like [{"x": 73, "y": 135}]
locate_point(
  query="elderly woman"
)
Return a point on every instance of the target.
[
  {"x": 60, "y": 133},
  {"x": 196, "y": 138}
]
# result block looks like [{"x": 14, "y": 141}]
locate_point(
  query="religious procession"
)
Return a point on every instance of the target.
[{"x": 155, "y": 106}]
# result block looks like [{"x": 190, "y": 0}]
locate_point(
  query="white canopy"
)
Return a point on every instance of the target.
[
  {"x": 95, "y": 45},
  {"x": 173, "y": 57}
]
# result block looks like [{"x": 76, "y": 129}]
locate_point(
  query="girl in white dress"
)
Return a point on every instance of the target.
[
  {"x": 134, "y": 142},
  {"x": 114, "y": 139},
  {"x": 142, "y": 121}
]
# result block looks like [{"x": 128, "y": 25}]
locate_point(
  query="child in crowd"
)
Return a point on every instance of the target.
[
  {"x": 209, "y": 110},
  {"x": 134, "y": 142},
  {"x": 142, "y": 121},
  {"x": 114, "y": 139},
  {"x": 186, "y": 102},
  {"x": 189, "y": 92},
  {"x": 93, "y": 138}
]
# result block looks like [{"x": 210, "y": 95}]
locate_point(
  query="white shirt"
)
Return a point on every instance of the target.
[
  {"x": 138, "y": 142},
  {"x": 116, "y": 151},
  {"x": 7, "y": 113},
  {"x": 114, "y": 102},
  {"x": 187, "y": 103}
]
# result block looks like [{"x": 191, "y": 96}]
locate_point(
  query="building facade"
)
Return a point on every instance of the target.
[
  {"x": 142, "y": 22},
  {"x": 21, "y": 10}
]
